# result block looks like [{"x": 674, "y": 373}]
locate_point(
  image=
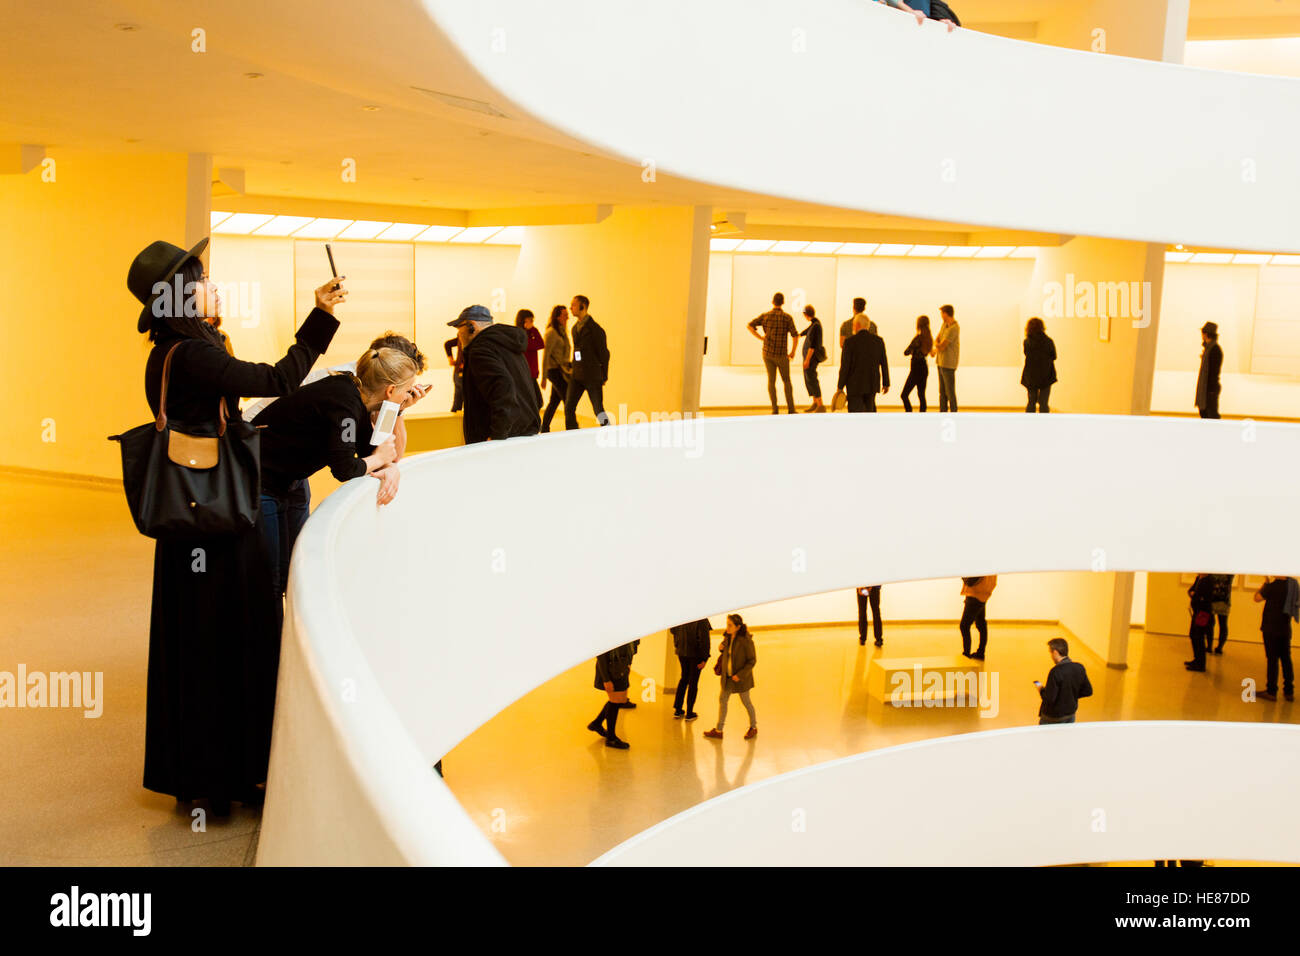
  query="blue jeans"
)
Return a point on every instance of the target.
[
  {"x": 947, "y": 389},
  {"x": 282, "y": 518}
]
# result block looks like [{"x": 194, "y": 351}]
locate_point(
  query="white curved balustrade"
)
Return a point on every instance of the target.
[
  {"x": 411, "y": 625},
  {"x": 1029, "y": 796},
  {"x": 845, "y": 103}
]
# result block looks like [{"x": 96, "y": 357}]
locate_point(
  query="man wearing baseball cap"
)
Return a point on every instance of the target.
[{"x": 500, "y": 399}]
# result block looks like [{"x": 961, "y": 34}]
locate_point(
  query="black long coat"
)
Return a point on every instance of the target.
[{"x": 214, "y": 630}]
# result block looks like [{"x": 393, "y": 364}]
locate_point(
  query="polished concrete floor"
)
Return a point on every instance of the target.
[
  {"x": 568, "y": 798},
  {"x": 74, "y": 593}
]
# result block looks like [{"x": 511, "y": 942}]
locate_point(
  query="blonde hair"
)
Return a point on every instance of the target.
[{"x": 379, "y": 368}]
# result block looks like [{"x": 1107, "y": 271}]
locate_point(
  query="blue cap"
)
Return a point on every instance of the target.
[{"x": 475, "y": 313}]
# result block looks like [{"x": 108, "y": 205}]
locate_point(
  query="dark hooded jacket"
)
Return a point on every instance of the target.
[{"x": 500, "y": 394}]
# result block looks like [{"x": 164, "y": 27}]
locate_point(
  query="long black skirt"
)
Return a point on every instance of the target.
[{"x": 214, "y": 651}]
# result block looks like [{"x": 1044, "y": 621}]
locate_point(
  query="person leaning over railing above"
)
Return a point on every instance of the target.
[
  {"x": 328, "y": 424},
  {"x": 922, "y": 11},
  {"x": 500, "y": 393}
]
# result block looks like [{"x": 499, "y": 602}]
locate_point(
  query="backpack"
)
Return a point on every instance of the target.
[{"x": 941, "y": 11}]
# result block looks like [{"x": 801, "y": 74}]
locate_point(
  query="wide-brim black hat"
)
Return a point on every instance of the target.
[{"x": 158, "y": 262}]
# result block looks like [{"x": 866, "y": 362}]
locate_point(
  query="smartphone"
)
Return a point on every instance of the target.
[
  {"x": 1038, "y": 684},
  {"x": 334, "y": 272},
  {"x": 385, "y": 422}
]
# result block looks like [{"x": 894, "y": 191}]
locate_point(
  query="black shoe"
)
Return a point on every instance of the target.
[
  {"x": 678, "y": 714},
  {"x": 1195, "y": 669},
  {"x": 626, "y": 705},
  {"x": 1266, "y": 695},
  {"x": 616, "y": 743},
  {"x": 1218, "y": 650},
  {"x": 221, "y": 807},
  {"x": 977, "y": 656},
  {"x": 879, "y": 643},
  {"x": 1289, "y": 696},
  {"x": 692, "y": 715},
  {"x": 1188, "y": 663},
  {"x": 862, "y": 641},
  {"x": 597, "y": 727},
  {"x": 965, "y": 653}
]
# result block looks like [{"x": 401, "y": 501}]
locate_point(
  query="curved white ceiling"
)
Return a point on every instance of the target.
[{"x": 844, "y": 103}]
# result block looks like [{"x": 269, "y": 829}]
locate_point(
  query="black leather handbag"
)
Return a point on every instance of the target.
[{"x": 191, "y": 482}]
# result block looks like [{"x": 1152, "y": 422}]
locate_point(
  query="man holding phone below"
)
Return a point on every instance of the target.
[{"x": 1067, "y": 682}]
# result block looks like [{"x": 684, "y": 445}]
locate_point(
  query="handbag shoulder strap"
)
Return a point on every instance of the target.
[{"x": 161, "y": 421}]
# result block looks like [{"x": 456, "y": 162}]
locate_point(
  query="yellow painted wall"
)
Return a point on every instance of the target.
[
  {"x": 1094, "y": 376},
  {"x": 68, "y": 343},
  {"x": 635, "y": 269}
]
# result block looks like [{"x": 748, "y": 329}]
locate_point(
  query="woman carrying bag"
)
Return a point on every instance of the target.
[
  {"x": 214, "y": 634},
  {"x": 736, "y": 660}
]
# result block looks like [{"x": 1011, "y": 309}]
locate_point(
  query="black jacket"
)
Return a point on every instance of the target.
[
  {"x": 863, "y": 367},
  {"x": 202, "y": 372},
  {"x": 500, "y": 394},
  {"x": 692, "y": 640},
  {"x": 324, "y": 423},
  {"x": 614, "y": 666},
  {"x": 1066, "y": 683},
  {"x": 1040, "y": 361},
  {"x": 589, "y": 343},
  {"x": 918, "y": 350}
]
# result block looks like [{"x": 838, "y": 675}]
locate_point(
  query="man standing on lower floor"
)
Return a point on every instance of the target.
[
  {"x": 590, "y": 365},
  {"x": 947, "y": 349},
  {"x": 864, "y": 369},
  {"x": 1067, "y": 681},
  {"x": 869, "y": 594},
  {"x": 777, "y": 325},
  {"x": 1281, "y": 597},
  {"x": 693, "y": 648}
]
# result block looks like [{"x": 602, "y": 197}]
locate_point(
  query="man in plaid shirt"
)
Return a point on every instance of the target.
[{"x": 777, "y": 324}]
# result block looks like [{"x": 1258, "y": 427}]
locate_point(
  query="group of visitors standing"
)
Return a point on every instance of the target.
[
  {"x": 864, "y": 364},
  {"x": 1211, "y": 600},
  {"x": 691, "y": 642}
]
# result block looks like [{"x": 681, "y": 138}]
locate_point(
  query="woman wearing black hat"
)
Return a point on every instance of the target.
[
  {"x": 214, "y": 634},
  {"x": 1207, "y": 379}
]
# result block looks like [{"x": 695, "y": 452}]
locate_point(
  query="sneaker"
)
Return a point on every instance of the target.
[
  {"x": 713, "y": 734},
  {"x": 597, "y": 727},
  {"x": 616, "y": 743},
  {"x": 678, "y": 714},
  {"x": 1265, "y": 695},
  {"x": 977, "y": 656},
  {"x": 751, "y": 733},
  {"x": 692, "y": 716}
]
